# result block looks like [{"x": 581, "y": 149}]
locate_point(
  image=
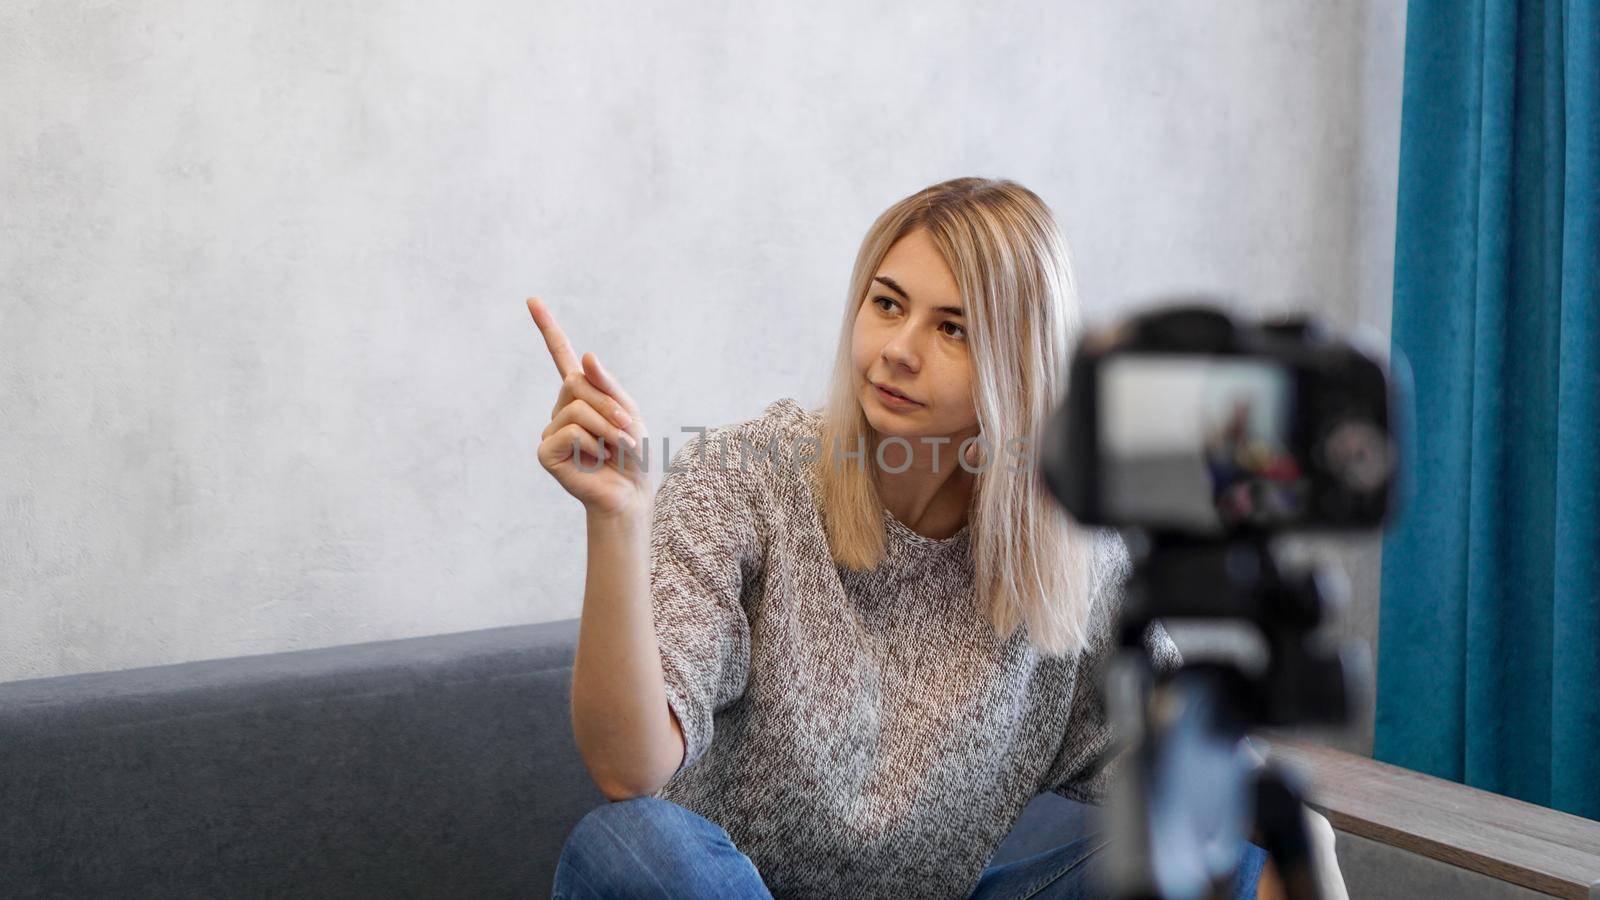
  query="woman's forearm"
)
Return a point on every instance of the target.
[{"x": 620, "y": 719}]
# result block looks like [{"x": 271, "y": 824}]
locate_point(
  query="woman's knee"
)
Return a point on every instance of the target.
[
  {"x": 613, "y": 849},
  {"x": 619, "y": 823}
]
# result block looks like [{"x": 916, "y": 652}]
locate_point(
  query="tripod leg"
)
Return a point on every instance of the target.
[{"x": 1283, "y": 831}]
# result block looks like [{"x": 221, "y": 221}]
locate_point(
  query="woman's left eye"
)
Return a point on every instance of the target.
[{"x": 958, "y": 328}]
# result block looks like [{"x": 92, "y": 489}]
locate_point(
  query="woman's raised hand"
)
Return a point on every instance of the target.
[{"x": 593, "y": 421}]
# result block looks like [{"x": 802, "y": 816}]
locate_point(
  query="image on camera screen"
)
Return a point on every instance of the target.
[{"x": 1200, "y": 443}]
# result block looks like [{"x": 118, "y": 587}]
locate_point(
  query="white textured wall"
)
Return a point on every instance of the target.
[{"x": 267, "y": 377}]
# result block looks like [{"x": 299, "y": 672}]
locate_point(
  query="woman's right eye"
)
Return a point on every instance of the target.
[{"x": 882, "y": 300}]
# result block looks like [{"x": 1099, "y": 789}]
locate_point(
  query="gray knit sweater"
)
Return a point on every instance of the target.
[{"x": 858, "y": 734}]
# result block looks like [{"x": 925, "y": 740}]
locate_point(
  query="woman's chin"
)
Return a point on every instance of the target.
[{"x": 888, "y": 425}]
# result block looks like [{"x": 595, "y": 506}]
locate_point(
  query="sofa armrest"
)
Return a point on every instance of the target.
[{"x": 1519, "y": 843}]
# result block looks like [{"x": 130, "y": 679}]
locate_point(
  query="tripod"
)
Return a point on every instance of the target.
[{"x": 1189, "y": 792}]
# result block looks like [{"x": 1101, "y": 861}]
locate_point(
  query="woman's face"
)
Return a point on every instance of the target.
[{"x": 910, "y": 335}]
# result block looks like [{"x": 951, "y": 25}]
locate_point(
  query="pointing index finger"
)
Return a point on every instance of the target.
[{"x": 554, "y": 338}]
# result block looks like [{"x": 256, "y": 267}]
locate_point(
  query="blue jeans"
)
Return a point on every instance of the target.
[{"x": 650, "y": 847}]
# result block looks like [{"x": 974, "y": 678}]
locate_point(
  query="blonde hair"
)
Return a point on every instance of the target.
[{"x": 1032, "y": 563}]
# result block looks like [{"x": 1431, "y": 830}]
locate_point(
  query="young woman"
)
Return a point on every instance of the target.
[{"x": 838, "y": 650}]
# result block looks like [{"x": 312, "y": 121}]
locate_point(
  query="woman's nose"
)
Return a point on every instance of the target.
[{"x": 899, "y": 350}]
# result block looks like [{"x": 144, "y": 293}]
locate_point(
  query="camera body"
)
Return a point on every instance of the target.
[{"x": 1184, "y": 420}]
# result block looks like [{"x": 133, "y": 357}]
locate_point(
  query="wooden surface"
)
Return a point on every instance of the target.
[{"x": 1522, "y": 843}]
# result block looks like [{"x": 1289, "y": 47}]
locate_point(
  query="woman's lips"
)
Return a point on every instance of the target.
[{"x": 894, "y": 400}]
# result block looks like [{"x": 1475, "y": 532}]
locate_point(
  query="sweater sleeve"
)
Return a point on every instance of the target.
[
  {"x": 1089, "y": 732},
  {"x": 704, "y": 544}
]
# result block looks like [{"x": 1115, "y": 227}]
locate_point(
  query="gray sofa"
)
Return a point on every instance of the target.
[{"x": 426, "y": 767}]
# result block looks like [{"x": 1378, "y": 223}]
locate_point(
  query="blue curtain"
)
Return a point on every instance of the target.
[{"x": 1489, "y": 628}]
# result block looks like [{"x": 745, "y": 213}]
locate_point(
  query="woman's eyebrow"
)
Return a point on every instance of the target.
[{"x": 894, "y": 286}]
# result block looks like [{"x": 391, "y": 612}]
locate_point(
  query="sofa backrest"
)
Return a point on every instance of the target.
[{"x": 442, "y": 765}]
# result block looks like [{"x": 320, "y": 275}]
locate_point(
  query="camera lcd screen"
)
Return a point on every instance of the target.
[{"x": 1202, "y": 443}]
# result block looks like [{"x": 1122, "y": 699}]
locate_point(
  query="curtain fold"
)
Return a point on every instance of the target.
[{"x": 1489, "y": 627}]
